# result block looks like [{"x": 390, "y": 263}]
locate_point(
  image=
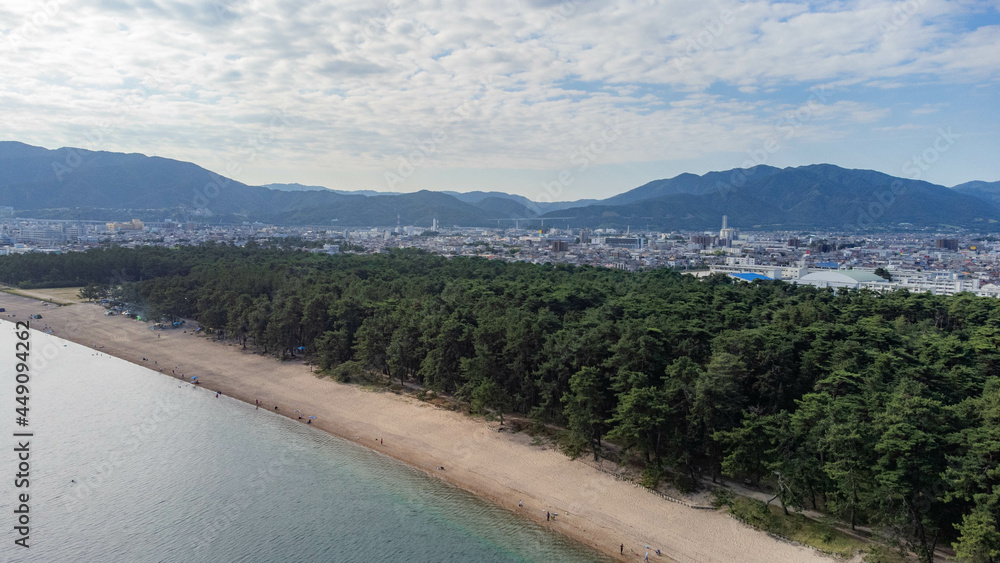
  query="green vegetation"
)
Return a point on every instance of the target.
[
  {"x": 795, "y": 527},
  {"x": 883, "y": 410}
]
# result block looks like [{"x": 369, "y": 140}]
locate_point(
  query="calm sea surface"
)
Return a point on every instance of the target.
[{"x": 130, "y": 465}]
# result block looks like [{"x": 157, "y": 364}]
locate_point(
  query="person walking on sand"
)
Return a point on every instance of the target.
[
  {"x": 621, "y": 549},
  {"x": 548, "y": 516},
  {"x": 520, "y": 504},
  {"x": 646, "y": 558}
]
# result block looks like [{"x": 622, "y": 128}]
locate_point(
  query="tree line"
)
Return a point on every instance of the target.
[{"x": 883, "y": 410}]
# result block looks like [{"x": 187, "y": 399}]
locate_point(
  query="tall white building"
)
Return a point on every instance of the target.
[{"x": 726, "y": 232}]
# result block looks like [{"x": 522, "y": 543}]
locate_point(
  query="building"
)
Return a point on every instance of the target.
[
  {"x": 703, "y": 241},
  {"x": 851, "y": 279},
  {"x": 938, "y": 283},
  {"x": 947, "y": 244},
  {"x": 750, "y": 277},
  {"x": 636, "y": 243},
  {"x": 726, "y": 233},
  {"x": 134, "y": 225},
  {"x": 47, "y": 235}
]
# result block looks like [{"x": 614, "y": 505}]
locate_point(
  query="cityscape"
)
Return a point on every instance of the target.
[
  {"x": 940, "y": 263},
  {"x": 544, "y": 281}
]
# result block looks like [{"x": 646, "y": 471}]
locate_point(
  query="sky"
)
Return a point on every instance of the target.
[{"x": 553, "y": 100}]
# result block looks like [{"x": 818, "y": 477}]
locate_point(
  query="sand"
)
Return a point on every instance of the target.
[{"x": 592, "y": 507}]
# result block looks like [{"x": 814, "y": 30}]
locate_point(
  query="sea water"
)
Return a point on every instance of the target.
[{"x": 127, "y": 464}]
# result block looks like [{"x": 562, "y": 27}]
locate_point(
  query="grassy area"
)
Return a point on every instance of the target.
[
  {"x": 795, "y": 527},
  {"x": 55, "y": 295}
]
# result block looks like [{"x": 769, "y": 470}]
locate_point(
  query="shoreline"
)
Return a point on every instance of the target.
[{"x": 505, "y": 469}]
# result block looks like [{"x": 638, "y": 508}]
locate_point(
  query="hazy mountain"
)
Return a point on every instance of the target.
[
  {"x": 303, "y": 188},
  {"x": 295, "y": 188},
  {"x": 502, "y": 207},
  {"x": 76, "y": 183},
  {"x": 526, "y": 207},
  {"x": 690, "y": 184},
  {"x": 986, "y": 191},
  {"x": 813, "y": 196},
  {"x": 534, "y": 207}
]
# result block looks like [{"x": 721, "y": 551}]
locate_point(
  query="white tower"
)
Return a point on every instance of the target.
[{"x": 727, "y": 233}]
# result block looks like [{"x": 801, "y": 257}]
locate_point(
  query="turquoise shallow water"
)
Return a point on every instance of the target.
[{"x": 130, "y": 465}]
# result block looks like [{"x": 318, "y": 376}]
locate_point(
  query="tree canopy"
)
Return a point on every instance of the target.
[{"x": 882, "y": 409}]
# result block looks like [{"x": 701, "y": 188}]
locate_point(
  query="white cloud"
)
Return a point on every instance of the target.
[{"x": 363, "y": 84}]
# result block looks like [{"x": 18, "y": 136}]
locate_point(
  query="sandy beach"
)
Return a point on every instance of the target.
[{"x": 592, "y": 507}]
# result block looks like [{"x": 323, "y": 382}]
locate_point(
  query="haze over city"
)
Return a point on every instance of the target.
[{"x": 599, "y": 98}]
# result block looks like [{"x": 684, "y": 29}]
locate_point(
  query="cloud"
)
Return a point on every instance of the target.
[{"x": 510, "y": 85}]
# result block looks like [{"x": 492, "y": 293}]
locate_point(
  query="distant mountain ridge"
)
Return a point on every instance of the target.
[
  {"x": 76, "y": 183},
  {"x": 72, "y": 183},
  {"x": 813, "y": 196},
  {"x": 528, "y": 207},
  {"x": 687, "y": 184},
  {"x": 986, "y": 191}
]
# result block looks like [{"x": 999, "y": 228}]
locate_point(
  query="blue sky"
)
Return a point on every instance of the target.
[{"x": 548, "y": 99}]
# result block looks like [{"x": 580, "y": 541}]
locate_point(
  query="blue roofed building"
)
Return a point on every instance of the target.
[{"x": 749, "y": 277}]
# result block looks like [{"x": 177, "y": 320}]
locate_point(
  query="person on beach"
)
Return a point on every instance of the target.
[
  {"x": 548, "y": 516},
  {"x": 621, "y": 549},
  {"x": 520, "y": 504}
]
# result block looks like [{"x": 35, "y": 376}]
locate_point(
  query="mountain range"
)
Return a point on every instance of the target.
[{"x": 75, "y": 183}]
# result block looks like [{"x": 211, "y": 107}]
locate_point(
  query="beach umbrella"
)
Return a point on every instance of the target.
[
  {"x": 312, "y": 417},
  {"x": 194, "y": 377}
]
